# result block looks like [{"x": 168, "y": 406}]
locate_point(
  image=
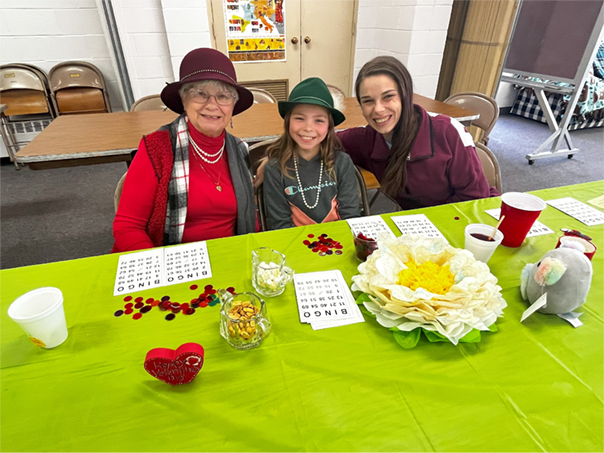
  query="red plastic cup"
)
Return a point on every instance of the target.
[
  {"x": 520, "y": 211},
  {"x": 567, "y": 240}
]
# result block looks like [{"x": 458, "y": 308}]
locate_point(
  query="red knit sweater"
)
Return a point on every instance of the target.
[{"x": 210, "y": 213}]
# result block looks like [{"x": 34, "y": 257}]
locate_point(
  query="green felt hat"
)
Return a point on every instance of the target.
[{"x": 311, "y": 91}]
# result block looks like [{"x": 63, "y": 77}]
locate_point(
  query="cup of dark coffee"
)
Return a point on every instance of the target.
[{"x": 480, "y": 242}]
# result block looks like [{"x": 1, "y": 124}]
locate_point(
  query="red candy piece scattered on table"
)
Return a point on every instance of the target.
[
  {"x": 324, "y": 245},
  {"x": 208, "y": 298},
  {"x": 365, "y": 238},
  {"x": 175, "y": 367}
]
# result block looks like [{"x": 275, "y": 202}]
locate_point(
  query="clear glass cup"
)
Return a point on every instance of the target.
[
  {"x": 269, "y": 272},
  {"x": 364, "y": 247},
  {"x": 244, "y": 323}
]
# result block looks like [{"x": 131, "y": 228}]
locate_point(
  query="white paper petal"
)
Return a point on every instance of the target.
[
  {"x": 373, "y": 308},
  {"x": 386, "y": 321}
]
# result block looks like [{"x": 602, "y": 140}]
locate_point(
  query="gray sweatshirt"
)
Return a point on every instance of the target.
[{"x": 338, "y": 198}]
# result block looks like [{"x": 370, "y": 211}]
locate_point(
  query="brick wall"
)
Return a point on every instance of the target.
[
  {"x": 47, "y": 32},
  {"x": 413, "y": 31},
  {"x": 144, "y": 43},
  {"x": 187, "y": 28}
]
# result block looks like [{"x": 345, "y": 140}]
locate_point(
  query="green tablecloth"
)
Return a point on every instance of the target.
[{"x": 529, "y": 387}]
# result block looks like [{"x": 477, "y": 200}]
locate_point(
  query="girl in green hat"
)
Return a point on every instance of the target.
[{"x": 308, "y": 179}]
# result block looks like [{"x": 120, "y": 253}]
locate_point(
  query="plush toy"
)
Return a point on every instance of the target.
[{"x": 564, "y": 274}]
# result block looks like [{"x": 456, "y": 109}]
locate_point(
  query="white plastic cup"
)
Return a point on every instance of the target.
[
  {"x": 41, "y": 316},
  {"x": 480, "y": 248}
]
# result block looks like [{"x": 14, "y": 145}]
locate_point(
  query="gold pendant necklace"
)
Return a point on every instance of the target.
[{"x": 217, "y": 184}]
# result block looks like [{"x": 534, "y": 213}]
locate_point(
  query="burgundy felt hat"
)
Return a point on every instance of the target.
[{"x": 206, "y": 64}]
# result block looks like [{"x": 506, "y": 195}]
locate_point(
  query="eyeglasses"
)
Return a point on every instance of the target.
[{"x": 201, "y": 97}]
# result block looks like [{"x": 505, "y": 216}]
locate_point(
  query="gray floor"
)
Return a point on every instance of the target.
[{"x": 66, "y": 213}]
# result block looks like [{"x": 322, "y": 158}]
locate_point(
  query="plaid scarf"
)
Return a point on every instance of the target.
[{"x": 178, "y": 189}]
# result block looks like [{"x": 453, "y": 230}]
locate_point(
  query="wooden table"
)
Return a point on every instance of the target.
[{"x": 111, "y": 137}]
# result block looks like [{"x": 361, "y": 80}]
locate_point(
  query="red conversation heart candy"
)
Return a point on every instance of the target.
[{"x": 175, "y": 367}]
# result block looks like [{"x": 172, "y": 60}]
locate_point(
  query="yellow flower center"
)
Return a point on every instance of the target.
[{"x": 428, "y": 275}]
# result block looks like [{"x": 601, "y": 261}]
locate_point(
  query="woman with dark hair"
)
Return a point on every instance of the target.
[
  {"x": 190, "y": 180},
  {"x": 419, "y": 159}
]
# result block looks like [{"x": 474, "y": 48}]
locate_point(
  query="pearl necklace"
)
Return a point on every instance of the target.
[
  {"x": 201, "y": 153},
  {"x": 302, "y": 188}
]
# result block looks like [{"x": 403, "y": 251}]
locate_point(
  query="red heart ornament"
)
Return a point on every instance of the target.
[{"x": 175, "y": 367}]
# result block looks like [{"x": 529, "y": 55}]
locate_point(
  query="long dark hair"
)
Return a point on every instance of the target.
[
  {"x": 405, "y": 131},
  {"x": 284, "y": 147}
]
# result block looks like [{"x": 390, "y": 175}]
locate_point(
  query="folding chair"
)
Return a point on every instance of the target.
[
  {"x": 257, "y": 152},
  {"x": 12, "y": 148},
  {"x": 338, "y": 96},
  {"x": 151, "y": 102},
  {"x": 490, "y": 166},
  {"x": 23, "y": 90},
  {"x": 78, "y": 87},
  {"x": 479, "y": 103},
  {"x": 262, "y": 96},
  {"x": 118, "y": 191}
]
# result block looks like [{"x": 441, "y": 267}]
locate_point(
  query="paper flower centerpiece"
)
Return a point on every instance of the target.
[{"x": 416, "y": 283}]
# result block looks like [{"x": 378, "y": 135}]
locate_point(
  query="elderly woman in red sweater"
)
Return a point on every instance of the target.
[{"x": 190, "y": 180}]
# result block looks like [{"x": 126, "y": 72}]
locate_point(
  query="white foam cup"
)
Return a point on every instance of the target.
[
  {"x": 482, "y": 250},
  {"x": 41, "y": 316}
]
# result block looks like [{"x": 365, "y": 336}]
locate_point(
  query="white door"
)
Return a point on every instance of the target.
[
  {"x": 319, "y": 40},
  {"x": 327, "y": 40}
]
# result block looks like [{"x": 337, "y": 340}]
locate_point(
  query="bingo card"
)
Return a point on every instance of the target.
[
  {"x": 186, "y": 262},
  {"x": 580, "y": 211},
  {"x": 322, "y": 296},
  {"x": 417, "y": 224},
  {"x": 162, "y": 267},
  {"x": 354, "y": 308},
  {"x": 139, "y": 271},
  {"x": 370, "y": 226}
]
